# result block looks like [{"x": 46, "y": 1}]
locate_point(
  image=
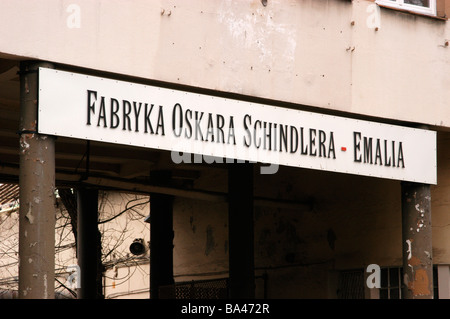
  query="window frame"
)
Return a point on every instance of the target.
[
  {"x": 389, "y": 284},
  {"x": 401, "y": 5}
]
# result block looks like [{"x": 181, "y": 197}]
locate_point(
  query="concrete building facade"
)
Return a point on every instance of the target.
[{"x": 308, "y": 229}]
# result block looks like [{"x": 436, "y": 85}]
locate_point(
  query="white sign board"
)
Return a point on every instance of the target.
[{"x": 101, "y": 109}]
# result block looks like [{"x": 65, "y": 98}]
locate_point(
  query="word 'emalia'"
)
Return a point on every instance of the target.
[{"x": 377, "y": 151}]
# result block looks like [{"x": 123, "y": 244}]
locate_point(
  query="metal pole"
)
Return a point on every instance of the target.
[
  {"x": 88, "y": 241},
  {"x": 417, "y": 244},
  {"x": 161, "y": 240},
  {"x": 161, "y": 247},
  {"x": 240, "y": 223},
  {"x": 37, "y": 195}
]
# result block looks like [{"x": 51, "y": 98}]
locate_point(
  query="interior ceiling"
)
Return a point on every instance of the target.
[{"x": 79, "y": 161}]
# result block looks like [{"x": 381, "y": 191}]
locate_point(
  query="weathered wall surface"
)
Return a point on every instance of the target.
[{"x": 321, "y": 53}]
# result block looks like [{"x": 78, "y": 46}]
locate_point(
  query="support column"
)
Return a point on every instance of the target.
[
  {"x": 161, "y": 247},
  {"x": 240, "y": 238},
  {"x": 161, "y": 240},
  {"x": 37, "y": 195},
  {"x": 417, "y": 244},
  {"x": 88, "y": 245}
]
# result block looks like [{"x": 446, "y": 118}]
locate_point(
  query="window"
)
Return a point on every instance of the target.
[
  {"x": 391, "y": 285},
  {"x": 352, "y": 284},
  {"x": 419, "y": 6}
]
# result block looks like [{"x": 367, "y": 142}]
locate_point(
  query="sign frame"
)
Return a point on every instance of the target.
[{"x": 107, "y": 110}]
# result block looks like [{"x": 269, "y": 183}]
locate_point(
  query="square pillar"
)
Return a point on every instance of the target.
[
  {"x": 161, "y": 240},
  {"x": 241, "y": 233}
]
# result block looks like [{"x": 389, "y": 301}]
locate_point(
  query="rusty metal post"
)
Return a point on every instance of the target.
[
  {"x": 240, "y": 231},
  {"x": 417, "y": 244},
  {"x": 37, "y": 195}
]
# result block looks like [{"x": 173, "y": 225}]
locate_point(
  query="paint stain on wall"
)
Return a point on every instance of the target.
[
  {"x": 331, "y": 238},
  {"x": 258, "y": 30},
  {"x": 191, "y": 222},
  {"x": 266, "y": 243},
  {"x": 210, "y": 242},
  {"x": 288, "y": 230}
]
